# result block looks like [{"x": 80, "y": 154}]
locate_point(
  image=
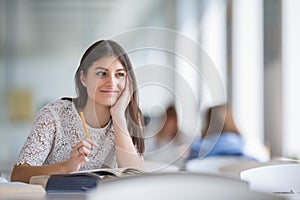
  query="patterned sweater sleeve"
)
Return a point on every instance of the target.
[{"x": 39, "y": 142}]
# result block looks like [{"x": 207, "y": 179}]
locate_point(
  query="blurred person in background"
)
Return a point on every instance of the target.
[
  {"x": 169, "y": 144},
  {"x": 221, "y": 137}
]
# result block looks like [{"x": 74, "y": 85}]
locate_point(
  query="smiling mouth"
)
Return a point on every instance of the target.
[{"x": 109, "y": 91}]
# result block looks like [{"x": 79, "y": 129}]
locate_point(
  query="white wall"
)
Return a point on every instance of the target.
[{"x": 247, "y": 67}]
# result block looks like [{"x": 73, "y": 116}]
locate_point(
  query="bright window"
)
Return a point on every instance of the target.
[
  {"x": 248, "y": 67},
  {"x": 291, "y": 81}
]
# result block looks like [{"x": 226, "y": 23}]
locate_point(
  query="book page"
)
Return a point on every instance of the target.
[
  {"x": 112, "y": 172},
  {"x": 131, "y": 171},
  {"x": 101, "y": 172},
  {"x": 39, "y": 180},
  {"x": 16, "y": 189}
]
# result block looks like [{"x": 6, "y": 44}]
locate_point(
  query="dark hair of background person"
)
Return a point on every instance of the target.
[
  {"x": 107, "y": 48},
  {"x": 170, "y": 128},
  {"x": 219, "y": 119}
]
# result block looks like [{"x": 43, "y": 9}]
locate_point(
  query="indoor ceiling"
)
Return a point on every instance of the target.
[{"x": 57, "y": 24}]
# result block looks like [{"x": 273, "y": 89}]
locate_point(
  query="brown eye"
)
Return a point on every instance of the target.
[
  {"x": 101, "y": 74},
  {"x": 120, "y": 74}
]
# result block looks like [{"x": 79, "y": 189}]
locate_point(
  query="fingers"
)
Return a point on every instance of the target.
[
  {"x": 85, "y": 146},
  {"x": 80, "y": 153},
  {"x": 127, "y": 92},
  {"x": 128, "y": 89},
  {"x": 122, "y": 102},
  {"x": 83, "y": 150},
  {"x": 129, "y": 86}
]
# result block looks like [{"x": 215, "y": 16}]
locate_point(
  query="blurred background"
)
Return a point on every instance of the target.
[{"x": 250, "y": 47}]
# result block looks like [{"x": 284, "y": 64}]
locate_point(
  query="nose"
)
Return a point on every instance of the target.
[{"x": 111, "y": 80}]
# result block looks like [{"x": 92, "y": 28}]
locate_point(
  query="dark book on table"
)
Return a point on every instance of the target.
[
  {"x": 80, "y": 181},
  {"x": 72, "y": 182}
]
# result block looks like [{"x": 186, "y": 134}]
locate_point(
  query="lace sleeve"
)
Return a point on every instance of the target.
[{"x": 39, "y": 142}]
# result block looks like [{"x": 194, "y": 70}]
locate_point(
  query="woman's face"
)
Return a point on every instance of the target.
[{"x": 105, "y": 81}]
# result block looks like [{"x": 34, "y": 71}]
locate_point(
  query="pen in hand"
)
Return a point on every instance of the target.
[{"x": 84, "y": 125}]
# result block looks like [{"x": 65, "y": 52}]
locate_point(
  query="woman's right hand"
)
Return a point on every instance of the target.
[{"x": 80, "y": 154}]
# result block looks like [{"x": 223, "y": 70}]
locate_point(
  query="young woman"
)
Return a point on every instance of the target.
[{"x": 107, "y": 96}]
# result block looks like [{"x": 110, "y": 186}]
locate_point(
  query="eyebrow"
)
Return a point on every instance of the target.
[{"x": 105, "y": 69}]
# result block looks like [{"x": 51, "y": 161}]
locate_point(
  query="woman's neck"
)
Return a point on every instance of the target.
[{"x": 96, "y": 116}]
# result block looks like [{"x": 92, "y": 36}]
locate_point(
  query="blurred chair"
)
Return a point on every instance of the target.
[
  {"x": 212, "y": 164},
  {"x": 236, "y": 168},
  {"x": 283, "y": 179},
  {"x": 177, "y": 185}
]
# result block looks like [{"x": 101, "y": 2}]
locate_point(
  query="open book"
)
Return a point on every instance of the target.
[
  {"x": 80, "y": 181},
  {"x": 118, "y": 172},
  {"x": 9, "y": 190}
]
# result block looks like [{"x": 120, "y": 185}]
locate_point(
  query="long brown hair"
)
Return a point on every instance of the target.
[
  {"x": 219, "y": 119},
  {"x": 102, "y": 49}
]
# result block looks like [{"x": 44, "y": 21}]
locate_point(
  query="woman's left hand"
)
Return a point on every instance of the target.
[
  {"x": 118, "y": 109},
  {"x": 126, "y": 153}
]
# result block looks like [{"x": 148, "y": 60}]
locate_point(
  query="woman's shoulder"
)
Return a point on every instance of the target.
[
  {"x": 230, "y": 135},
  {"x": 58, "y": 105}
]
